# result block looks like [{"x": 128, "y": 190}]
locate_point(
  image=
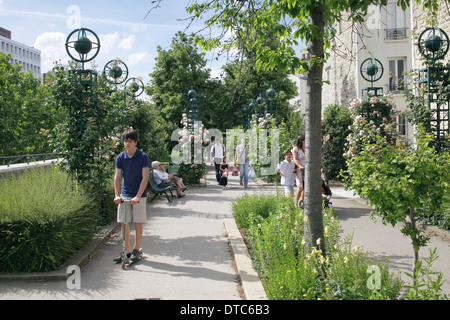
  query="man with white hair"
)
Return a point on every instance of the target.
[{"x": 163, "y": 179}]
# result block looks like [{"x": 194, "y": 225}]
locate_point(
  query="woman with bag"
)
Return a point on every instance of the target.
[
  {"x": 299, "y": 158},
  {"x": 241, "y": 157},
  {"x": 217, "y": 153},
  {"x": 223, "y": 167}
]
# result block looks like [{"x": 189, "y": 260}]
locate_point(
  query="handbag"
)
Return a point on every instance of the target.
[
  {"x": 225, "y": 173},
  {"x": 235, "y": 171},
  {"x": 251, "y": 173}
]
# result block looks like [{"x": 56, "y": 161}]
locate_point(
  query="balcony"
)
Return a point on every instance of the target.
[{"x": 395, "y": 34}]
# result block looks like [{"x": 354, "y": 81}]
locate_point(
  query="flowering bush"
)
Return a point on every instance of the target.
[
  {"x": 373, "y": 116},
  {"x": 272, "y": 139},
  {"x": 192, "y": 144}
]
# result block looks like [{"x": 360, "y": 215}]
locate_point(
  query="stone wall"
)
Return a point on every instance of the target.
[{"x": 340, "y": 69}]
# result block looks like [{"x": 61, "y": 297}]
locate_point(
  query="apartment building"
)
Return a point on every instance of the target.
[
  {"x": 28, "y": 57},
  {"x": 389, "y": 35}
]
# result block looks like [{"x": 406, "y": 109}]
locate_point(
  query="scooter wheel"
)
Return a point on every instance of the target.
[{"x": 124, "y": 265}]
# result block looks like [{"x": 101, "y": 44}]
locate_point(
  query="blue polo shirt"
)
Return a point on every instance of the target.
[{"x": 132, "y": 172}]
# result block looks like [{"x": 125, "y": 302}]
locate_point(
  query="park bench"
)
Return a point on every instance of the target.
[{"x": 159, "y": 190}]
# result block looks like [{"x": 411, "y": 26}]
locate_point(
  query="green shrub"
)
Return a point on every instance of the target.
[
  {"x": 336, "y": 122},
  {"x": 44, "y": 219},
  {"x": 192, "y": 173},
  {"x": 249, "y": 207}
]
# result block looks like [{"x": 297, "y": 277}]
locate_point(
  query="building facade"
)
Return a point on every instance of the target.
[
  {"x": 28, "y": 57},
  {"x": 389, "y": 34}
]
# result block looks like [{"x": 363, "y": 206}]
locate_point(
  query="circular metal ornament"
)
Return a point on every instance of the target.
[
  {"x": 433, "y": 43},
  {"x": 134, "y": 87},
  {"x": 370, "y": 68},
  {"x": 82, "y": 45},
  {"x": 116, "y": 71}
]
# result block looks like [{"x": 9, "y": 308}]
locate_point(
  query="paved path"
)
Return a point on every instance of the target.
[
  {"x": 387, "y": 241},
  {"x": 187, "y": 252},
  {"x": 186, "y": 255}
]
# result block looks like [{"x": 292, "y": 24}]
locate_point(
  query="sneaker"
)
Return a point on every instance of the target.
[
  {"x": 119, "y": 259},
  {"x": 135, "y": 255}
]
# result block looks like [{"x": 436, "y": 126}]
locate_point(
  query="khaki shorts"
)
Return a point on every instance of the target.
[{"x": 135, "y": 213}]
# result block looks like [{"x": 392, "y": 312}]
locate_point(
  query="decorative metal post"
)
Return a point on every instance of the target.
[
  {"x": 82, "y": 49},
  {"x": 372, "y": 70},
  {"x": 271, "y": 93},
  {"x": 433, "y": 45},
  {"x": 192, "y": 97},
  {"x": 260, "y": 101},
  {"x": 116, "y": 72},
  {"x": 134, "y": 87}
]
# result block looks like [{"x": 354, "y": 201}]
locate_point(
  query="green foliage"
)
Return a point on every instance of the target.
[
  {"x": 90, "y": 134},
  {"x": 242, "y": 82},
  {"x": 427, "y": 283},
  {"x": 176, "y": 69},
  {"x": 274, "y": 227},
  {"x": 419, "y": 112},
  {"x": 152, "y": 128},
  {"x": 397, "y": 180},
  {"x": 335, "y": 122},
  {"x": 264, "y": 158},
  {"x": 25, "y": 115},
  {"x": 44, "y": 219},
  {"x": 373, "y": 117},
  {"x": 248, "y": 208},
  {"x": 192, "y": 173}
]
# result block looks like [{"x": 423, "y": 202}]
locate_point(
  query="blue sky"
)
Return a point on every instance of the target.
[{"x": 122, "y": 26}]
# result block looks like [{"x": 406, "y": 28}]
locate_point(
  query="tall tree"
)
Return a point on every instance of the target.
[
  {"x": 176, "y": 69},
  {"x": 250, "y": 24},
  {"x": 25, "y": 116}
]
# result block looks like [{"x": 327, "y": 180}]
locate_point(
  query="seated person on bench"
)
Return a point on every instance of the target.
[{"x": 163, "y": 179}]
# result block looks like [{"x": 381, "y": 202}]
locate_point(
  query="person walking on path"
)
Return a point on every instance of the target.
[
  {"x": 224, "y": 168},
  {"x": 217, "y": 153},
  {"x": 130, "y": 183},
  {"x": 299, "y": 158},
  {"x": 241, "y": 158}
]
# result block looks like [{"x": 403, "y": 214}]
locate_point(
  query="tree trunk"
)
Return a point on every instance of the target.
[
  {"x": 416, "y": 247},
  {"x": 313, "y": 195}
]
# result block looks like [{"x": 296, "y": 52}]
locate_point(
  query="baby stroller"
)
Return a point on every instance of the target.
[{"x": 326, "y": 191}]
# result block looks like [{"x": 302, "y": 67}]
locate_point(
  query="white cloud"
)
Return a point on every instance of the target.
[
  {"x": 134, "y": 58},
  {"x": 52, "y": 46},
  {"x": 127, "y": 43},
  {"x": 109, "y": 41}
]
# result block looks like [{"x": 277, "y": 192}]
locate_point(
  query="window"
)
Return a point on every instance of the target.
[
  {"x": 401, "y": 125},
  {"x": 396, "y": 26},
  {"x": 396, "y": 75}
]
